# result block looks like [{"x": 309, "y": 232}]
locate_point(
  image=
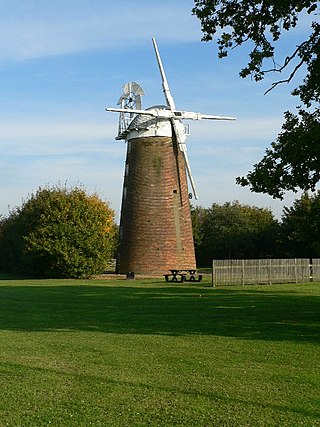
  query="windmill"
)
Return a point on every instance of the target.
[{"x": 155, "y": 225}]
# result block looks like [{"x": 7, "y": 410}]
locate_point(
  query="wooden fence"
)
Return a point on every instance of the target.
[
  {"x": 315, "y": 269},
  {"x": 259, "y": 271}
]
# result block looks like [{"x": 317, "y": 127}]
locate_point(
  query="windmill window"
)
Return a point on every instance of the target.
[
  {"x": 124, "y": 192},
  {"x": 127, "y": 169},
  {"x": 175, "y": 191}
]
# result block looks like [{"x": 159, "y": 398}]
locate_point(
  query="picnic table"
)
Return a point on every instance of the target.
[{"x": 183, "y": 276}]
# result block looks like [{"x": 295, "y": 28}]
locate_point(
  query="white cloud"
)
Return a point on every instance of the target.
[
  {"x": 243, "y": 129},
  {"x": 35, "y": 29},
  {"x": 57, "y": 137}
]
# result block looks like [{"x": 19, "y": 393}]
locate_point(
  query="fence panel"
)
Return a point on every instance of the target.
[
  {"x": 315, "y": 269},
  {"x": 259, "y": 271}
]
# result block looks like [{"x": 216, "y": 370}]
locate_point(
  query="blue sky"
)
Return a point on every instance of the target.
[{"x": 63, "y": 61}]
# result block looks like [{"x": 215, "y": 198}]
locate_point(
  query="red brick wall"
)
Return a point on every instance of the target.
[{"x": 155, "y": 227}]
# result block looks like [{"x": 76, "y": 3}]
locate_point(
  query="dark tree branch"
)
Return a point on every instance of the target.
[{"x": 296, "y": 68}]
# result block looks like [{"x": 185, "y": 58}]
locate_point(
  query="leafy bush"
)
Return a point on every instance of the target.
[{"x": 58, "y": 232}]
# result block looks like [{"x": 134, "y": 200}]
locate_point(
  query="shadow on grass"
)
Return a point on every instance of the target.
[
  {"x": 271, "y": 314},
  {"x": 9, "y": 276}
]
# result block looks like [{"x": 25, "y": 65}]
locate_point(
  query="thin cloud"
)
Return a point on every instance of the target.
[
  {"x": 57, "y": 138},
  {"x": 58, "y": 28},
  {"x": 253, "y": 128}
]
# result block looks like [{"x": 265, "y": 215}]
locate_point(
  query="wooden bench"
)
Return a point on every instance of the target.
[
  {"x": 175, "y": 276},
  {"x": 183, "y": 276},
  {"x": 193, "y": 278}
]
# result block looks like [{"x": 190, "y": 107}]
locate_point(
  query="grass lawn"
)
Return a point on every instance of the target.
[{"x": 146, "y": 353}]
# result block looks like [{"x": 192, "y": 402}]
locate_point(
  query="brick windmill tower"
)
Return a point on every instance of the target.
[{"x": 155, "y": 225}]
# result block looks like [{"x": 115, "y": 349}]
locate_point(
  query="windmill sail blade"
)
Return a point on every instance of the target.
[
  {"x": 210, "y": 117},
  {"x": 133, "y": 111},
  {"x": 183, "y": 148},
  {"x": 168, "y": 114},
  {"x": 180, "y": 137},
  {"x": 165, "y": 86}
]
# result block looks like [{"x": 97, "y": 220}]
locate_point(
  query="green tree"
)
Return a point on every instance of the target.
[
  {"x": 233, "y": 230},
  {"x": 198, "y": 218},
  {"x": 300, "y": 227},
  {"x": 58, "y": 232},
  {"x": 261, "y": 25}
]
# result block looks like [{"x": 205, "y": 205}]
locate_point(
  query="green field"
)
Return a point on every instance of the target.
[{"x": 146, "y": 353}]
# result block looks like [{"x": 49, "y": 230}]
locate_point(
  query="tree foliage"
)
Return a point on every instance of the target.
[
  {"x": 58, "y": 232},
  {"x": 300, "y": 227},
  {"x": 262, "y": 24},
  {"x": 233, "y": 230}
]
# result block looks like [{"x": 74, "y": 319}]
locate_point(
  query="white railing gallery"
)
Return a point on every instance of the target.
[{"x": 260, "y": 271}]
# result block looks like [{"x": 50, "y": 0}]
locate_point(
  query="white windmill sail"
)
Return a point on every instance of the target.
[{"x": 175, "y": 119}]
